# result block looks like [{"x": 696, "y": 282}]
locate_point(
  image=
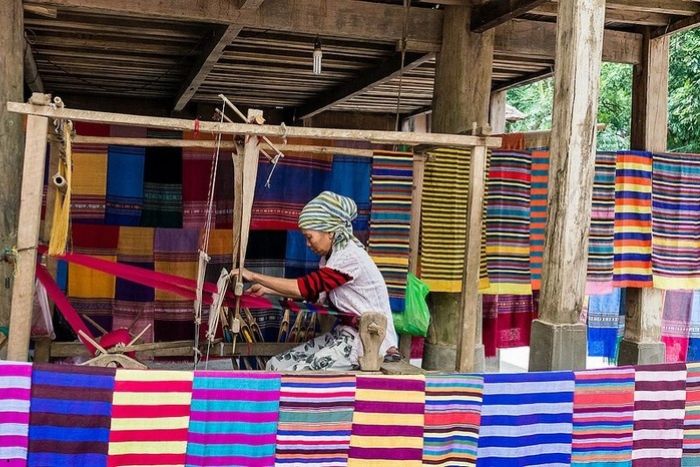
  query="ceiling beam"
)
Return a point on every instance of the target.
[
  {"x": 523, "y": 80},
  {"x": 612, "y": 16},
  {"x": 31, "y": 72},
  {"x": 211, "y": 52},
  {"x": 490, "y": 14},
  {"x": 678, "y": 26},
  {"x": 668, "y": 7},
  {"x": 367, "y": 80}
]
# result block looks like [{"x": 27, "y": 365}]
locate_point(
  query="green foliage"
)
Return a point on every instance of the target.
[{"x": 615, "y": 103}]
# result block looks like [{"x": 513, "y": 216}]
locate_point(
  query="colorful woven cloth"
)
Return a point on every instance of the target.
[
  {"x": 150, "y": 416},
  {"x": 694, "y": 331},
  {"x": 89, "y": 183},
  {"x": 603, "y": 413},
  {"x": 691, "y": 422},
  {"x": 600, "y": 238},
  {"x": 392, "y": 187},
  {"x": 223, "y": 193},
  {"x": 70, "y": 417},
  {"x": 196, "y": 174},
  {"x": 15, "y": 383},
  {"x": 297, "y": 179},
  {"x": 387, "y": 425},
  {"x": 315, "y": 420},
  {"x": 675, "y": 324},
  {"x": 175, "y": 252},
  {"x": 124, "y": 185},
  {"x": 299, "y": 259},
  {"x": 526, "y": 419},
  {"x": 234, "y": 419},
  {"x": 538, "y": 214},
  {"x": 605, "y": 323},
  {"x": 659, "y": 410},
  {"x": 632, "y": 230},
  {"x": 676, "y": 221},
  {"x": 444, "y": 219},
  {"x": 508, "y": 224},
  {"x": 507, "y": 320},
  {"x": 452, "y": 419},
  {"x": 350, "y": 176},
  {"x": 162, "y": 188}
]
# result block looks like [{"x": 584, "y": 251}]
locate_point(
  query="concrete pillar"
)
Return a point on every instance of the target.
[
  {"x": 461, "y": 98},
  {"x": 11, "y": 139},
  {"x": 558, "y": 341},
  {"x": 641, "y": 343}
]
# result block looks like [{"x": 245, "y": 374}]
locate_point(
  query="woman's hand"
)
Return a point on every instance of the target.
[
  {"x": 247, "y": 275},
  {"x": 259, "y": 290}
]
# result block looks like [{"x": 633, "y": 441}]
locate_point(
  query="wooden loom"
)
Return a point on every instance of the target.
[{"x": 39, "y": 112}]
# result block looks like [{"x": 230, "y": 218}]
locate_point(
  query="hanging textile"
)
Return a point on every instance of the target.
[
  {"x": 694, "y": 331},
  {"x": 350, "y": 176},
  {"x": 125, "y": 165},
  {"x": 452, "y": 419},
  {"x": 15, "y": 384},
  {"x": 150, "y": 416},
  {"x": 392, "y": 188},
  {"x": 89, "y": 183},
  {"x": 659, "y": 410},
  {"x": 315, "y": 419},
  {"x": 223, "y": 193},
  {"x": 675, "y": 324},
  {"x": 526, "y": 418},
  {"x": 299, "y": 259},
  {"x": 196, "y": 174},
  {"x": 234, "y": 419},
  {"x": 600, "y": 238},
  {"x": 508, "y": 223},
  {"x": 676, "y": 221},
  {"x": 388, "y": 421},
  {"x": 444, "y": 219},
  {"x": 507, "y": 320},
  {"x": 71, "y": 409},
  {"x": 162, "y": 184},
  {"x": 297, "y": 179},
  {"x": 538, "y": 214},
  {"x": 603, "y": 412},
  {"x": 691, "y": 422},
  {"x": 604, "y": 319},
  {"x": 512, "y": 141},
  {"x": 632, "y": 231}
]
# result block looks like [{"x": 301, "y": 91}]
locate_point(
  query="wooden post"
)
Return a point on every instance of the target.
[
  {"x": 498, "y": 112},
  {"x": 466, "y": 339},
  {"x": 11, "y": 138},
  {"x": 372, "y": 333},
  {"x": 28, "y": 233},
  {"x": 641, "y": 343},
  {"x": 558, "y": 341},
  {"x": 461, "y": 97}
]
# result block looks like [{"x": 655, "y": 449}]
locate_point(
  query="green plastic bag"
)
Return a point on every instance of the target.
[{"x": 416, "y": 317}]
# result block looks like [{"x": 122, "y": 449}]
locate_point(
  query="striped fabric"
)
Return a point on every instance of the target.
[
  {"x": 659, "y": 410},
  {"x": 387, "y": 425},
  {"x": 150, "y": 415},
  {"x": 600, "y": 238},
  {"x": 390, "y": 221},
  {"x": 538, "y": 214},
  {"x": 452, "y": 418},
  {"x": 676, "y": 221},
  {"x": 632, "y": 230},
  {"x": 15, "y": 383},
  {"x": 526, "y": 419},
  {"x": 234, "y": 419},
  {"x": 315, "y": 420},
  {"x": 508, "y": 223},
  {"x": 71, "y": 413},
  {"x": 691, "y": 423},
  {"x": 444, "y": 218},
  {"x": 603, "y": 412}
]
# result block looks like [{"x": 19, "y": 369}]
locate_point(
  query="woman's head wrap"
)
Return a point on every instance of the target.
[{"x": 330, "y": 212}]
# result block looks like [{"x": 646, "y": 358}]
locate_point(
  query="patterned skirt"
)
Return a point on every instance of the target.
[{"x": 334, "y": 350}]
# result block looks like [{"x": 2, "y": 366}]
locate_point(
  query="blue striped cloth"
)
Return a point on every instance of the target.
[
  {"x": 526, "y": 419},
  {"x": 125, "y": 167}
]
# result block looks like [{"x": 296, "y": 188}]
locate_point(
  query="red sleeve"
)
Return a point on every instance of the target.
[{"x": 323, "y": 280}]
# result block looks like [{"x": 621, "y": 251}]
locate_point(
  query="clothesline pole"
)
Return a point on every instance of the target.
[
  {"x": 372, "y": 136},
  {"x": 28, "y": 232}
]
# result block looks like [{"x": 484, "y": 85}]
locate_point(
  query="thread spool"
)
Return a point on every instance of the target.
[{"x": 59, "y": 181}]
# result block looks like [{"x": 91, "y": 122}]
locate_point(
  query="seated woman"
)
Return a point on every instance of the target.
[{"x": 347, "y": 277}]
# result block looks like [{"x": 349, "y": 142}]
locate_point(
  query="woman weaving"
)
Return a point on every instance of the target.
[{"x": 347, "y": 277}]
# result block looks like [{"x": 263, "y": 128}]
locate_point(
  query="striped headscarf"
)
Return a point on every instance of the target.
[{"x": 331, "y": 212}]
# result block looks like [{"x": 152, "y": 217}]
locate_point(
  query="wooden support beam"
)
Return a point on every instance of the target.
[
  {"x": 667, "y": 7},
  {"x": 496, "y": 12},
  {"x": 222, "y": 36},
  {"x": 374, "y": 136},
  {"x": 31, "y": 72},
  {"x": 523, "y": 80},
  {"x": 28, "y": 232},
  {"x": 497, "y": 112},
  {"x": 367, "y": 80},
  {"x": 677, "y": 26},
  {"x": 642, "y": 18}
]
